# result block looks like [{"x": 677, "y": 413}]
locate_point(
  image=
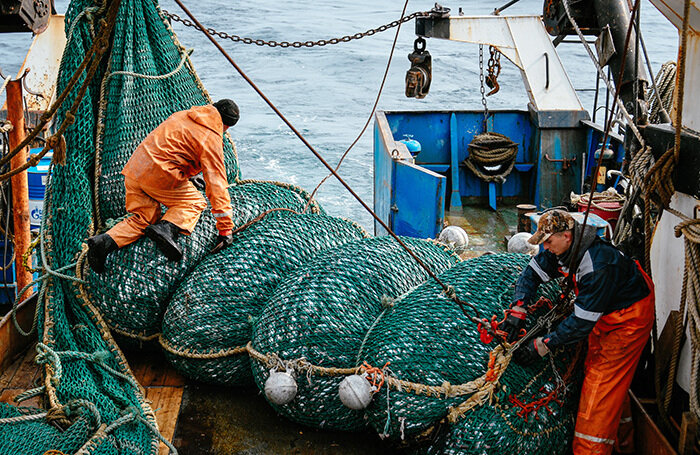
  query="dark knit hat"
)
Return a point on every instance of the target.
[{"x": 228, "y": 110}]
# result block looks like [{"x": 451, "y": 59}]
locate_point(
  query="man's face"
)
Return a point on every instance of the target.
[{"x": 558, "y": 243}]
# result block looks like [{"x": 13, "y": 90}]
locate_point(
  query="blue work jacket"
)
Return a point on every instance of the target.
[{"x": 605, "y": 281}]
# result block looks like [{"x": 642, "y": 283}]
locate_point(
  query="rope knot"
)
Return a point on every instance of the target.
[
  {"x": 69, "y": 118},
  {"x": 387, "y": 302},
  {"x": 684, "y": 225},
  {"x": 450, "y": 292},
  {"x": 58, "y": 143},
  {"x": 449, "y": 389}
]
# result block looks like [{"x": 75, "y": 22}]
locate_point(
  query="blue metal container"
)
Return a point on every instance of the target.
[
  {"x": 8, "y": 289},
  {"x": 38, "y": 178}
]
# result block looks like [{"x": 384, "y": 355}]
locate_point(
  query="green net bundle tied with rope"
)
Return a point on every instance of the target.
[
  {"x": 138, "y": 281},
  {"x": 447, "y": 373},
  {"x": 206, "y": 328},
  {"x": 321, "y": 313}
]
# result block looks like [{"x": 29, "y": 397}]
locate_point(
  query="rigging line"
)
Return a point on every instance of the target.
[
  {"x": 369, "y": 118},
  {"x": 448, "y": 290},
  {"x": 599, "y": 68},
  {"x": 568, "y": 282}
]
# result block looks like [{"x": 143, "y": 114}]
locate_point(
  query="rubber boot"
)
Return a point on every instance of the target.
[
  {"x": 99, "y": 246},
  {"x": 164, "y": 234}
]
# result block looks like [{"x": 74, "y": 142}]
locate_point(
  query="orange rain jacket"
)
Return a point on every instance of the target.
[{"x": 185, "y": 144}]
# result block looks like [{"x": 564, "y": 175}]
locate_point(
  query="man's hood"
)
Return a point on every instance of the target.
[{"x": 207, "y": 116}]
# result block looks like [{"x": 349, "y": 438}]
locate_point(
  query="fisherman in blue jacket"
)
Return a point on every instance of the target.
[{"x": 614, "y": 308}]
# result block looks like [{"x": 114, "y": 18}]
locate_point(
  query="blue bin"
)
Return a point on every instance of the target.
[
  {"x": 37, "y": 177},
  {"x": 8, "y": 289}
]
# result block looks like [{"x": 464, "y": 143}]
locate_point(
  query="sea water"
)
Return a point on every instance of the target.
[{"x": 328, "y": 92}]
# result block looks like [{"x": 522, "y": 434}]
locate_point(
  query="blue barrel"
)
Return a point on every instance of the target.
[
  {"x": 38, "y": 176},
  {"x": 8, "y": 289}
]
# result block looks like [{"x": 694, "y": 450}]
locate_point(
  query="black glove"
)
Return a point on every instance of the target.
[
  {"x": 515, "y": 321},
  {"x": 222, "y": 241},
  {"x": 531, "y": 352},
  {"x": 198, "y": 181}
]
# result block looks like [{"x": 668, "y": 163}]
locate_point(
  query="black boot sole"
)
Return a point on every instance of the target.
[{"x": 169, "y": 249}]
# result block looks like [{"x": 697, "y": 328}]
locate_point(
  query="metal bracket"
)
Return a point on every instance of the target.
[
  {"x": 566, "y": 163},
  {"x": 439, "y": 12}
]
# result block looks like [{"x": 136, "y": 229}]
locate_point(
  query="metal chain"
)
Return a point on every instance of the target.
[
  {"x": 298, "y": 44},
  {"x": 481, "y": 81}
]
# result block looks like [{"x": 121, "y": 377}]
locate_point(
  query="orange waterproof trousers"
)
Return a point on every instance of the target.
[
  {"x": 184, "y": 204},
  {"x": 614, "y": 347}
]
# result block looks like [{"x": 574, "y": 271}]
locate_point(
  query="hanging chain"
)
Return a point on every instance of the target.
[
  {"x": 481, "y": 81},
  {"x": 493, "y": 70},
  {"x": 298, "y": 44}
]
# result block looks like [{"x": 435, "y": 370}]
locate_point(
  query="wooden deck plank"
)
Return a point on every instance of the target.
[
  {"x": 27, "y": 371},
  {"x": 8, "y": 396},
  {"x": 165, "y": 401}
]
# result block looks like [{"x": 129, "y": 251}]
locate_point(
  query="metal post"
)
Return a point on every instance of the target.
[{"x": 20, "y": 185}]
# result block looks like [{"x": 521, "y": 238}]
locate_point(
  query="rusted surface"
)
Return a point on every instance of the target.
[
  {"x": 648, "y": 438},
  {"x": 20, "y": 185}
]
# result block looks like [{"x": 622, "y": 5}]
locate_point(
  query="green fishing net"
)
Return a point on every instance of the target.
[
  {"x": 138, "y": 281},
  {"x": 218, "y": 317},
  {"x": 429, "y": 341},
  {"x": 321, "y": 313},
  {"x": 87, "y": 371},
  {"x": 14, "y": 437},
  {"x": 135, "y": 105}
]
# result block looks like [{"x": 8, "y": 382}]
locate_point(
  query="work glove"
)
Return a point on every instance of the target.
[
  {"x": 198, "y": 181},
  {"x": 531, "y": 352},
  {"x": 222, "y": 241},
  {"x": 515, "y": 321}
]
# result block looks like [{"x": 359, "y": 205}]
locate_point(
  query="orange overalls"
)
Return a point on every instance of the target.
[
  {"x": 614, "y": 347},
  {"x": 185, "y": 144}
]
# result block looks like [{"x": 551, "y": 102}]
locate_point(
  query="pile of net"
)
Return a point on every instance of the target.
[
  {"x": 306, "y": 294},
  {"x": 322, "y": 313},
  {"x": 206, "y": 328},
  {"x": 94, "y": 404},
  {"x": 436, "y": 380}
]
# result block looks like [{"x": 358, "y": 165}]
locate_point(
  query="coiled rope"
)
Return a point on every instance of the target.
[{"x": 491, "y": 150}]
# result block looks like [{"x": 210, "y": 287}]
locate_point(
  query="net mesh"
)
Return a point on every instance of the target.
[
  {"x": 427, "y": 340},
  {"x": 323, "y": 311},
  {"x": 133, "y": 302},
  {"x": 217, "y": 318}
]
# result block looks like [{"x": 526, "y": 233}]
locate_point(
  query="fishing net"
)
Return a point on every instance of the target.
[
  {"x": 34, "y": 429},
  {"x": 135, "y": 288},
  {"x": 320, "y": 314},
  {"x": 215, "y": 321},
  {"x": 85, "y": 371},
  {"x": 149, "y": 77},
  {"x": 436, "y": 350}
]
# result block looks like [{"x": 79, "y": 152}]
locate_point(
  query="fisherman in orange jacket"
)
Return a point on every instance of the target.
[
  {"x": 614, "y": 309},
  {"x": 160, "y": 172}
]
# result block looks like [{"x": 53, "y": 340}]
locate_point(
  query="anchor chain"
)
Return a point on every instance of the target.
[
  {"x": 298, "y": 44},
  {"x": 481, "y": 82}
]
